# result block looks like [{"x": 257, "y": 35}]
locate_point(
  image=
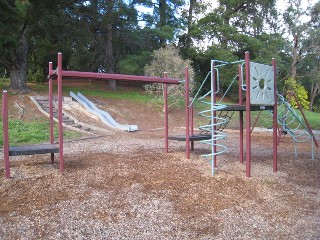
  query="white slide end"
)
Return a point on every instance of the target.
[{"x": 103, "y": 115}]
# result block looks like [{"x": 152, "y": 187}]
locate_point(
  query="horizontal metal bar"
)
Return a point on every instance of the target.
[{"x": 123, "y": 77}]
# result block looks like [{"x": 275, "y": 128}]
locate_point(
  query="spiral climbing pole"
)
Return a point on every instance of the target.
[
  {"x": 216, "y": 122},
  {"x": 213, "y": 129},
  {"x": 293, "y": 124}
]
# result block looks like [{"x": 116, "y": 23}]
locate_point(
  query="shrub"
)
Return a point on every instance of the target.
[
  {"x": 291, "y": 85},
  {"x": 168, "y": 60}
]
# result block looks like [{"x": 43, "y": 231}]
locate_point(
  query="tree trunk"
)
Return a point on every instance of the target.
[
  {"x": 226, "y": 24},
  {"x": 190, "y": 16},
  {"x": 315, "y": 88},
  {"x": 109, "y": 48},
  {"x": 163, "y": 20},
  {"x": 295, "y": 56},
  {"x": 18, "y": 66},
  {"x": 109, "y": 57}
]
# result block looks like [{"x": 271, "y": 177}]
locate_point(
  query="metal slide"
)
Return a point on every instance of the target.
[{"x": 104, "y": 116}]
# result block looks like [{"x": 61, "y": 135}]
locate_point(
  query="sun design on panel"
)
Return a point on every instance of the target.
[{"x": 261, "y": 84}]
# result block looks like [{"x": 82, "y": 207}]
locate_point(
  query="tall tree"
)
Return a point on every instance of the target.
[
  {"x": 314, "y": 79},
  {"x": 13, "y": 41},
  {"x": 233, "y": 23},
  {"x": 195, "y": 8},
  {"x": 18, "y": 21},
  {"x": 109, "y": 46},
  {"x": 234, "y": 27},
  {"x": 105, "y": 22},
  {"x": 165, "y": 19},
  {"x": 309, "y": 70},
  {"x": 293, "y": 23}
]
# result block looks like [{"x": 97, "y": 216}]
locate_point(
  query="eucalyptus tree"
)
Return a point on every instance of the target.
[
  {"x": 296, "y": 28},
  {"x": 308, "y": 70},
  {"x": 311, "y": 80},
  {"x": 303, "y": 45}
]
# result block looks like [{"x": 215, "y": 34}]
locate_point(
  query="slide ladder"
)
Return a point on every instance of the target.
[
  {"x": 103, "y": 115},
  {"x": 226, "y": 116},
  {"x": 294, "y": 124}
]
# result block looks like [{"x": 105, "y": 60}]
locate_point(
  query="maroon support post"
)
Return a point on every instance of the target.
[
  {"x": 248, "y": 116},
  {"x": 186, "y": 74},
  {"x": 166, "y": 119},
  {"x": 275, "y": 120},
  {"x": 59, "y": 72},
  {"x": 5, "y": 134}
]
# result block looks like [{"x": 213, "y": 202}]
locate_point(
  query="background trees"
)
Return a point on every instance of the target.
[
  {"x": 119, "y": 36},
  {"x": 303, "y": 46},
  {"x": 14, "y": 47}
]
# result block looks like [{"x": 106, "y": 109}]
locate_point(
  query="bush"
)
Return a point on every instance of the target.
[
  {"x": 291, "y": 85},
  {"x": 168, "y": 60}
]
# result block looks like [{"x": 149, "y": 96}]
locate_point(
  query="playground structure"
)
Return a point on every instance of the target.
[
  {"x": 258, "y": 81},
  {"x": 52, "y": 148},
  {"x": 260, "y": 88}
]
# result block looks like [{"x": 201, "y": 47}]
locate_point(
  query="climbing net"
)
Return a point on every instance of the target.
[{"x": 292, "y": 123}]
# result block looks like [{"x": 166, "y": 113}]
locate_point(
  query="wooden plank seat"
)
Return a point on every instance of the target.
[
  {"x": 33, "y": 149},
  {"x": 192, "y": 138}
]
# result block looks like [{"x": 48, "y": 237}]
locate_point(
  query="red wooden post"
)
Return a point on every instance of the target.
[
  {"x": 51, "y": 110},
  {"x": 275, "y": 118},
  {"x": 166, "y": 119},
  {"x": 248, "y": 116},
  {"x": 59, "y": 72},
  {"x": 240, "y": 113},
  {"x": 5, "y": 133},
  {"x": 186, "y": 74}
]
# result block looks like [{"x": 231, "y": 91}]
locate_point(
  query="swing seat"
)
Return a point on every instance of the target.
[
  {"x": 33, "y": 149},
  {"x": 192, "y": 138}
]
